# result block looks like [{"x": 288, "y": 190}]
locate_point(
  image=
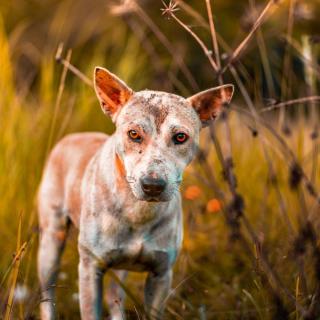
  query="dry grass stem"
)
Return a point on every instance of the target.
[
  {"x": 291, "y": 102},
  {"x": 205, "y": 49},
  {"x": 236, "y": 53}
]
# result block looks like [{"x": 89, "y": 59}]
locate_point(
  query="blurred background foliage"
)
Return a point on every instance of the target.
[
  {"x": 106, "y": 33},
  {"x": 215, "y": 277}
]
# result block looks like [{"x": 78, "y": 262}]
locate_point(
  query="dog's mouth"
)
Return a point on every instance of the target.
[
  {"x": 163, "y": 197},
  {"x": 155, "y": 200}
]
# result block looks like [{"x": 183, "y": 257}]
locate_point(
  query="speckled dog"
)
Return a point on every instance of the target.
[{"x": 122, "y": 193}]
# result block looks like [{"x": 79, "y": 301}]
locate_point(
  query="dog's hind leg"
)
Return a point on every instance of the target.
[
  {"x": 53, "y": 233},
  {"x": 115, "y": 296}
]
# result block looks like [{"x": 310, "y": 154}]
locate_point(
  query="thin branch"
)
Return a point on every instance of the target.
[
  {"x": 286, "y": 72},
  {"x": 236, "y": 53},
  {"x": 163, "y": 39},
  {"x": 213, "y": 34},
  {"x": 205, "y": 49},
  {"x": 66, "y": 63},
  {"x": 291, "y": 102}
]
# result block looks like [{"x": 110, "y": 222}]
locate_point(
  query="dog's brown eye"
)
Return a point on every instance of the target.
[
  {"x": 180, "y": 138},
  {"x": 134, "y": 135}
]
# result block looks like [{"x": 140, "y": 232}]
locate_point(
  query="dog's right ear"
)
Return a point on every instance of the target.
[{"x": 112, "y": 92}]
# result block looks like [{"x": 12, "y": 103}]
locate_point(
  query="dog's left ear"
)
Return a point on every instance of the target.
[
  {"x": 112, "y": 92},
  {"x": 208, "y": 104}
]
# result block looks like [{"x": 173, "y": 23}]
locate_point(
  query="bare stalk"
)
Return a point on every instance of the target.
[
  {"x": 291, "y": 102},
  {"x": 157, "y": 63},
  {"x": 205, "y": 49},
  {"x": 236, "y": 53},
  {"x": 66, "y": 66},
  {"x": 214, "y": 39},
  {"x": 163, "y": 39},
  {"x": 288, "y": 153},
  {"x": 264, "y": 56},
  {"x": 306, "y": 60},
  {"x": 286, "y": 65},
  {"x": 253, "y": 111}
]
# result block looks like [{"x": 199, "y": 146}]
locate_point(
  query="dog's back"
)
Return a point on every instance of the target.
[{"x": 60, "y": 186}]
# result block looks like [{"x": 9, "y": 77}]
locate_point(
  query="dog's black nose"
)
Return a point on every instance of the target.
[{"x": 152, "y": 186}]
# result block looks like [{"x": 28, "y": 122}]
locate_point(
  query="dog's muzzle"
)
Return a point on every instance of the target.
[{"x": 152, "y": 187}]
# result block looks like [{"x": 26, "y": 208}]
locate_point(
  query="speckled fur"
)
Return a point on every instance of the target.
[{"x": 92, "y": 180}]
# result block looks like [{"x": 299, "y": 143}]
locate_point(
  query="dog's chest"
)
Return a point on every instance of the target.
[
  {"x": 140, "y": 255},
  {"x": 122, "y": 244},
  {"x": 132, "y": 235},
  {"x": 135, "y": 250},
  {"x": 138, "y": 215}
]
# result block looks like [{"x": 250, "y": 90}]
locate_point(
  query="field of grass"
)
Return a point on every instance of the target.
[{"x": 251, "y": 197}]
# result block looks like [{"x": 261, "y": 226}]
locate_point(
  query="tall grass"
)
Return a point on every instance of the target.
[{"x": 251, "y": 201}]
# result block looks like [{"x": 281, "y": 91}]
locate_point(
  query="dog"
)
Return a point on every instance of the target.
[{"x": 122, "y": 193}]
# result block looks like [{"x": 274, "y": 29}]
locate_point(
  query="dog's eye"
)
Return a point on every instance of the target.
[
  {"x": 134, "y": 136},
  {"x": 180, "y": 138}
]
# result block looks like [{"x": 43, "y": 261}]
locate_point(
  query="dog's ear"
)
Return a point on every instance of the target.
[
  {"x": 208, "y": 104},
  {"x": 112, "y": 92}
]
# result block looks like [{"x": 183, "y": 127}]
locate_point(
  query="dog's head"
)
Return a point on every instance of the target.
[{"x": 157, "y": 133}]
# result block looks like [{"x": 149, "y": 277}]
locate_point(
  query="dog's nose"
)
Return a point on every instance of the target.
[{"x": 152, "y": 186}]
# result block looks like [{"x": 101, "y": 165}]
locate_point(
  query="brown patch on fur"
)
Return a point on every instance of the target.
[
  {"x": 120, "y": 180},
  {"x": 120, "y": 167},
  {"x": 60, "y": 235},
  {"x": 160, "y": 114}
]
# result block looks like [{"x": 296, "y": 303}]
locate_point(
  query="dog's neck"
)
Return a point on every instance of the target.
[{"x": 112, "y": 168}]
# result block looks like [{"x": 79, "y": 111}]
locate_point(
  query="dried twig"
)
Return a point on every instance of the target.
[
  {"x": 214, "y": 36},
  {"x": 20, "y": 248},
  {"x": 236, "y": 53},
  {"x": 286, "y": 72},
  {"x": 159, "y": 34},
  {"x": 66, "y": 63},
  {"x": 205, "y": 49},
  {"x": 66, "y": 66},
  {"x": 291, "y": 102}
]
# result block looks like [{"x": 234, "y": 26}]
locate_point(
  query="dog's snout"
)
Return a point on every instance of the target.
[{"x": 152, "y": 186}]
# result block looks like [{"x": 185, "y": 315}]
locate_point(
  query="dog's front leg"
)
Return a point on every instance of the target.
[
  {"x": 90, "y": 287},
  {"x": 156, "y": 291}
]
